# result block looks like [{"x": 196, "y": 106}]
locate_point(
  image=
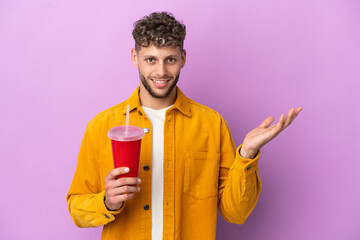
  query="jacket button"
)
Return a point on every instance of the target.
[
  {"x": 248, "y": 168},
  {"x": 146, "y": 207},
  {"x": 140, "y": 113},
  {"x": 146, "y": 130},
  {"x": 146, "y": 167}
]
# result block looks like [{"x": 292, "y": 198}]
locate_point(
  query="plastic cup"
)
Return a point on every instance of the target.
[{"x": 126, "y": 148}]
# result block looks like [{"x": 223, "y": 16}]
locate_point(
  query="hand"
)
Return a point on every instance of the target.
[
  {"x": 119, "y": 190},
  {"x": 261, "y": 135}
]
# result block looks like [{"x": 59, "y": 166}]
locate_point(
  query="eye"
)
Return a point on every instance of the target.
[
  {"x": 150, "y": 60},
  {"x": 171, "y": 60}
]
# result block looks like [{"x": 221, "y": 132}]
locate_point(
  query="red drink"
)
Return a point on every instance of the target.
[{"x": 126, "y": 148}]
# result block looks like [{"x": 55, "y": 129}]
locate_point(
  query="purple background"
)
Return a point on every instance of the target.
[{"x": 62, "y": 62}]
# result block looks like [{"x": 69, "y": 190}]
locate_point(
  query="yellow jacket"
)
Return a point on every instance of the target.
[{"x": 202, "y": 170}]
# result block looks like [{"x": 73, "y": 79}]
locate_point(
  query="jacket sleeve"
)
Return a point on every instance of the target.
[
  {"x": 239, "y": 182},
  {"x": 86, "y": 195}
]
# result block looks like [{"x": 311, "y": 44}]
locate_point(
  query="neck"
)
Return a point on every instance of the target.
[{"x": 148, "y": 101}]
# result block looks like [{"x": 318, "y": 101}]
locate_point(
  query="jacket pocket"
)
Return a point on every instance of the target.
[{"x": 201, "y": 174}]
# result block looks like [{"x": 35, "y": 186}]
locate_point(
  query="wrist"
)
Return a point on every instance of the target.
[
  {"x": 246, "y": 153},
  {"x": 108, "y": 207}
]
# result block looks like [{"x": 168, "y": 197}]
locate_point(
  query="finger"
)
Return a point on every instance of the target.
[
  {"x": 280, "y": 123},
  {"x": 117, "y": 199},
  {"x": 266, "y": 122},
  {"x": 125, "y": 197},
  {"x": 124, "y": 190},
  {"x": 116, "y": 172},
  {"x": 288, "y": 118},
  {"x": 298, "y": 110},
  {"x": 126, "y": 181},
  {"x": 296, "y": 113},
  {"x": 275, "y": 129}
]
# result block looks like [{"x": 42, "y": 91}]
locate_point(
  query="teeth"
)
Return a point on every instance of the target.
[{"x": 158, "y": 81}]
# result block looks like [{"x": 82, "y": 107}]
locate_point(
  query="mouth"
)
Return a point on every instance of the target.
[{"x": 160, "y": 83}]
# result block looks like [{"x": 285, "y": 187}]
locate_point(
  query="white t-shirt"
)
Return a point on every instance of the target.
[{"x": 157, "y": 118}]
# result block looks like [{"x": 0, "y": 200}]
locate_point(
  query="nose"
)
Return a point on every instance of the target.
[{"x": 161, "y": 70}]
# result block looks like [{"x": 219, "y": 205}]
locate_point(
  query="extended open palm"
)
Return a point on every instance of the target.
[{"x": 261, "y": 135}]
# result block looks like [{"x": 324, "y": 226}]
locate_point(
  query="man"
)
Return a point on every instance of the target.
[{"x": 189, "y": 163}]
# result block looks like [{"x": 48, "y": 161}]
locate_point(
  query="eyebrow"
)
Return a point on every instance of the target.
[
  {"x": 172, "y": 56},
  {"x": 151, "y": 56}
]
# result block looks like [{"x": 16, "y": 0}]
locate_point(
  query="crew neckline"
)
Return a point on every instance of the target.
[{"x": 157, "y": 110}]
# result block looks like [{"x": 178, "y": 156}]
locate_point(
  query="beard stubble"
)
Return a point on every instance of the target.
[{"x": 152, "y": 92}]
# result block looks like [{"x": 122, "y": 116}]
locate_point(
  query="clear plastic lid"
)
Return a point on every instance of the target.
[{"x": 118, "y": 133}]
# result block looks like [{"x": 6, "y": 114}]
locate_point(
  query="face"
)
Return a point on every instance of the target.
[{"x": 159, "y": 68}]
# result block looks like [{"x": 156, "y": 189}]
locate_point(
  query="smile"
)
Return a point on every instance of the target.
[{"x": 160, "y": 81}]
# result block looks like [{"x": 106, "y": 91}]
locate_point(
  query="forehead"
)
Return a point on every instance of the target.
[{"x": 160, "y": 52}]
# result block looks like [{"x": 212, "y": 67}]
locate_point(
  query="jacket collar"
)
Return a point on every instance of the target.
[{"x": 181, "y": 102}]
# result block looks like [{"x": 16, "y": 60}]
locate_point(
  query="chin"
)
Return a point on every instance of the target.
[{"x": 161, "y": 94}]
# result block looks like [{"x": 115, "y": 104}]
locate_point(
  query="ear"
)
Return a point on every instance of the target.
[
  {"x": 183, "y": 58},
  {"x": 134, "y": 57}
]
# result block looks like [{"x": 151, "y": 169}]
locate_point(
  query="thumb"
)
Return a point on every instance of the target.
[{"x": 266, "y": 122}]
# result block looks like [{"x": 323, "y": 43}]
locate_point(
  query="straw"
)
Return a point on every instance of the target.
[{"x": 127, "y": 119}]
